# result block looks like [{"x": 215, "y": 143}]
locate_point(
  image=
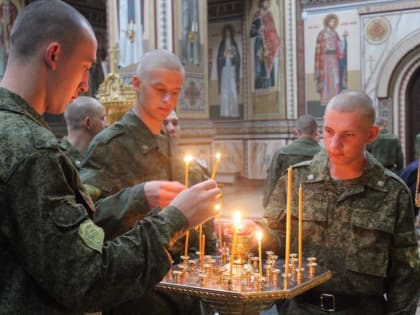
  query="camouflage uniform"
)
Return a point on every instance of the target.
[
  {"x": 120, "y": 157},
  {"x": 53, "y": 258},
  {"x": 302, "y": 149},
  {"x": 362, "y": 230},
  {"x": 387, "y": 149},
  {"x": 72, "y": 152}
]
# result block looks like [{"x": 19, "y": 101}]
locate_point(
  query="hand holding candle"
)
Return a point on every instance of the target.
[
  {"x": 187, "y": 160},
  {"x": 216, "y": 165}
]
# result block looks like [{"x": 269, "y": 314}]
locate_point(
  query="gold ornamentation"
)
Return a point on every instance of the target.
[{"x": 116, "y": 97}]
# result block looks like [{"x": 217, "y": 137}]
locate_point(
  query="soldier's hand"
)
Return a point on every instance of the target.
[
  {"x": 198, "y": 202},
  {"x": 161, "y": 193}
]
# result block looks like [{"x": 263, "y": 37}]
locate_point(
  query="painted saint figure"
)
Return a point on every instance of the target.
[
  {"x": 267, "y": 43},
  {"x": 330, "y": 60},
  {"x": 228, "y": 65},
  {"x": 191, "y": 32}
]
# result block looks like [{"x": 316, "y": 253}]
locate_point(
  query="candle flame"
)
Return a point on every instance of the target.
[
  {"x": 259, "y": 235},
  {"x": 218, "y": 156},
  {"x": 187, "y": 159},
  {"x": 217, "y": 207},
  {"x": 236, "y": 218}
]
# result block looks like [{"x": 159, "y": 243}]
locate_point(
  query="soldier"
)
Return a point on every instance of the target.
[
  {"x": 53, "y": 257},
  {"x": 171, "y": 126},
  {"x": 303, "y": 149},
  {"x": 358, "y": 220},
  {"x": 133, "y": 151},
  {"x": 85, "y": 117},
  {"x": 387, "y": 148}
]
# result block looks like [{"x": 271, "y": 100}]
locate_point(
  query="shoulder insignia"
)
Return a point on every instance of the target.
[
  {"x": 92, "y": 235},
  {"x": 92, "y": 191}
]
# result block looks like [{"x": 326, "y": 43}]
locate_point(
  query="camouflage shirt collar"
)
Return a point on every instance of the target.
[
  {"x": 373, "y": 174},
  {"x": 12, "y": 102}
]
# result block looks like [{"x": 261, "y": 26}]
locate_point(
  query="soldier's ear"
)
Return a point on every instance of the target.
[
  {"x": 52, "y": 54},
  {"x": 87, "y": 122},
  {"x": 136, "y": 81},
  {"x": 374, "y": 130}
]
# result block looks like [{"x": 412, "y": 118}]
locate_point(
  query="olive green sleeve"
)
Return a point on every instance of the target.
[{"x": 62, "y": 251}]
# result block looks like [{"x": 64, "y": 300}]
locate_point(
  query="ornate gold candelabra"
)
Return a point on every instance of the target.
[
  {"x": 116, "y": 97},
  {"x": 244, "y": 290}
]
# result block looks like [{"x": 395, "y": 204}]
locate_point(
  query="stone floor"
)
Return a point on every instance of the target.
[{"x": 246, "y": 197}]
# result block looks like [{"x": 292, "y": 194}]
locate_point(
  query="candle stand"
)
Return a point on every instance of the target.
[{"x": 242, "y": 290}]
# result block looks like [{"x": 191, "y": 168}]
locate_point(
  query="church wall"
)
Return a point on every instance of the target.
[{"x": 381, "y": 38}]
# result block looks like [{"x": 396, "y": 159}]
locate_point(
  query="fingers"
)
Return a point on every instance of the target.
[
  {"x": 175, "y": 187},
  {"x": 207, "y": 184}
]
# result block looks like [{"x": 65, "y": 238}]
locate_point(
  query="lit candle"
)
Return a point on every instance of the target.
[
  {"x": 300, "y": 228},
  {"x": 236, "y": 219},
  {"x": 259, "y": 238},
  {"x": 288, "y": 222},
  {"x": 216, "y": 166},
  {"x": 203, "y": 245},
  {"x": 187, "y": 160},
  {"x": 186, "y": 245}
]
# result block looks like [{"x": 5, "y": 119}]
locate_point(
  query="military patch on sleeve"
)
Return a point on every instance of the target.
[{"x": 92, "y": 235}]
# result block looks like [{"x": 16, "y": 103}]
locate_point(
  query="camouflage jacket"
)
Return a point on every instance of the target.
[
  {"x": 127, "y": 154},
  {"x": 72, "y": 152},
  {"x": 362, "y": 230},
  {"x": 387, "y": 149},
  {"x": 53, "y": 258},
  {"x": 302, "y": 149}
]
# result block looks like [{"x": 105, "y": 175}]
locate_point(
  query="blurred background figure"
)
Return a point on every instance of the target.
[
  {"x": 303, "y": 149},
  {"x": 387, "y": 147},
  {"x": 171, "y": 126},
  {"x": 85, "y": 117},
  {"x": 409, "y": 175}
]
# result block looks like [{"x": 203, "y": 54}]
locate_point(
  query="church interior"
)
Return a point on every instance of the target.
[
  {"x": 277, "y": 73},
  {"x": 288, "y": 58}
]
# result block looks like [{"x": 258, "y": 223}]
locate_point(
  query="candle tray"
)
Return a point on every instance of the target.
[{"x": 243, "y": 292}]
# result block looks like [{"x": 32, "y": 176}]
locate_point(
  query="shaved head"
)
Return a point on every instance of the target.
[
  {"x": 44, "y": 21},
  {"x": 158, "y": 58},
  {"x": 353, "y": 101},
  {"x": 81, "y": 107}
]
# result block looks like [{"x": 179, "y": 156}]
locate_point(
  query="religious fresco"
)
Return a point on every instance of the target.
[
  {"x": 266, "y": 59},
  {"x": 191, "y": 30},
  {"x": 193, "y": 94},
  {"x": 332, "y": 60},
  {"x": 225, "y": 70},
  {"x": 130, "y": 32}
]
